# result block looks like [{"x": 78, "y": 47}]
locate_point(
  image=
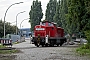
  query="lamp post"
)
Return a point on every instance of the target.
[
  {"x": 20, "y": 27},
  {"x": 16, "y": 20},
  {"x": 6, "y": 13},
  {"x": 22, "y": 21}
]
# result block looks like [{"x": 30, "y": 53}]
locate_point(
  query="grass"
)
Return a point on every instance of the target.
[
  {"x": 84, "y": 50},
  {"x": 18, "y": 42},
  {"x": 8, "y": 51},
  {"x": 1, "y": 46}
]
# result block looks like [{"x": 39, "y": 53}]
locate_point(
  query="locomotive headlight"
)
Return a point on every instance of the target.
[{"x": 40, "y": 28}]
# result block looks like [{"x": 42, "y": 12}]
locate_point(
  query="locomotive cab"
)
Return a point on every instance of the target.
[{"x": 48, "y": 34}]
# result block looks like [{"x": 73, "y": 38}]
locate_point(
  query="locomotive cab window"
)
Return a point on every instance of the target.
[
  {"x": 43, "y": 24},
  {"x": 50, "y": 24}
]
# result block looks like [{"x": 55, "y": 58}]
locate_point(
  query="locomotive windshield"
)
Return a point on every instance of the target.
[
  {"x": 49, "y": 24},
  {"x": 43, "y": 24}
]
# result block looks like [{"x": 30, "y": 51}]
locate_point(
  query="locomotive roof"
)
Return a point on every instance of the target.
[
  {"x": 46, "y": 21},
  {"x": 49, "y": 22}
]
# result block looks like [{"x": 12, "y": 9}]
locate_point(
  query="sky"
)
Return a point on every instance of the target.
[{"x": 22, "y": 18}]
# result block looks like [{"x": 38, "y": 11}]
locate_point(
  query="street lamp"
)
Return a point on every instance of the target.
[
  {"x": 16, "y": 20},
  {"x": 21, "y": 23},
  {"x": 6, "y": 13}
]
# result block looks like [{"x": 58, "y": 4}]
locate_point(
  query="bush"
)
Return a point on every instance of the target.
[
  {"x": 1, "y": 46},
  {"x": 83, "y": 50},
  {"x": 87, "y": 34},
  {"x": 86, "y": 46}
]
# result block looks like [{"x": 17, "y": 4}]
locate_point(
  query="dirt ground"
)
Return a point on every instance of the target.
[
  {"x": 45, "y": 53},
  {"x": 7, "y": 57},
  {"x": 30, "y": 52}
]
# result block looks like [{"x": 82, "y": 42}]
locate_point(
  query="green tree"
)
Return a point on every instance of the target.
[
  {"x": 64, "y": 11},
  {"x": 1, "y": 28},
  {"x": 8, "y": 30},
  {"x": 60, "y": 15},
  {"x": 74, "y": 16},
  {"x": 51, "y": 10},
  {"x": 57, "y": 16},
  {"x": 35, "y": 14},
  {"x": 70, "y": 19},
  {"x": 86, "y": 19},
  {"x": 78, "y": 19}
]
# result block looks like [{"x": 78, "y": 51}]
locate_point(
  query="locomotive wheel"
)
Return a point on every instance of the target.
[
  {"x": 61, "y": 43},
  {"x": 46, "y": 45},
  {"x": 51, "y": 45},
  {"x": 42, "y": 45},
  {"x": 57, "y": 44},
  {"x": 37, "y": 45}
]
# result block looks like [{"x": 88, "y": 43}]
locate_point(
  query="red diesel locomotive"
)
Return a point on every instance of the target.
[{"x": 48, "y": 34}]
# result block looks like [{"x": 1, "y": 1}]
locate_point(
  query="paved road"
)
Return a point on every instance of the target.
[{"x": 30, "y": 52}]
